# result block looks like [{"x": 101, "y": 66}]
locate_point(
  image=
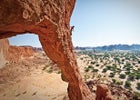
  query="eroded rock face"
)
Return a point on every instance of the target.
[
  {"x": 12, "y": 54},
  {"x": 103, "y": 92},
  {"x": 16, "y": 53},
  {"x": 50, "y": 20},
  {"x": 3, "y": 51}
]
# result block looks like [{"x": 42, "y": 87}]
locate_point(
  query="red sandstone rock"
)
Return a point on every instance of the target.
[
  {"x": 3, "y": 51},
  {"x": 50, "y": 20},
  {"x": 14, "y": 53},
  {"x": 103, "y": 92}
]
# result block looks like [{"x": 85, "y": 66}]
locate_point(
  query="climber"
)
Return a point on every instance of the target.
[{"x": 71, "y": 29}]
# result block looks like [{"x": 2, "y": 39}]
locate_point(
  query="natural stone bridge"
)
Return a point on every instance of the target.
[{"x": 50, "y": 20}]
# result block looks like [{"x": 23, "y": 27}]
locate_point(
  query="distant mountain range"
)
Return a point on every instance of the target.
[{"x": 112, "y": 47}]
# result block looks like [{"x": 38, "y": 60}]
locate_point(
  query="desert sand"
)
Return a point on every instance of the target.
[{"x": 27, "y": 81}]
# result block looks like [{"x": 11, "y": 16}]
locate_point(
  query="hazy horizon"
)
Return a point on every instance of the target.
[{"x": 99, "y": 23}]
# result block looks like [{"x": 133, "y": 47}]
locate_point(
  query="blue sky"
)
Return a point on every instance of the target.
[
  {"x": 26, "y": 39},
  {"x": 100, "y": 22}
]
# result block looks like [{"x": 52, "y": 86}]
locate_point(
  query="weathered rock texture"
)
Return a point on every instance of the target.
[
  {"x": 12, "y": 54},
  {"x": 50, "y": 20},
  {"x": 103, "y": 92},
  {"x": 3, "y": 51}
]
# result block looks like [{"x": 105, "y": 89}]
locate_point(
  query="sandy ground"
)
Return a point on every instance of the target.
[
  {"x": 41, "y": 86},
  {"x": 27, "y": 81}
]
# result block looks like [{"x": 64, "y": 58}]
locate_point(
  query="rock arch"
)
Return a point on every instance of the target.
[{"x": 50, "y": 20}]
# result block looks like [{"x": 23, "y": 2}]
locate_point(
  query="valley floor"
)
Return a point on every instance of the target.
[{"x": 27, "y": 81}]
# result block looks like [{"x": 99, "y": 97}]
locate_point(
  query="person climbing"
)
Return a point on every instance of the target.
[{"x": 71, "y": 29}]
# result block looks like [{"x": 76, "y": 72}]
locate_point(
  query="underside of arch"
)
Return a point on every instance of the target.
[{"x": 49, "y": 19}]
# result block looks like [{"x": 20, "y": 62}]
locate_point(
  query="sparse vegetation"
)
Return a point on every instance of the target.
[
  {"x": 112, "y": 75},
  {"x": 109, "y": 66},
  {"x": 46, "y": 66},
  {"x": 127, "y": 84},
  {"x": 122, "y": 76},
  {"x": 114, "y": 81},
  {"x": 138, "y": 86},
  {"x": 87, "y": 69},
  {"x": 136, "y": 95},
  {"x": 119, "y": 82},
  {"x": 95, "y": 70},
  {"x": 104, "y": 70}
]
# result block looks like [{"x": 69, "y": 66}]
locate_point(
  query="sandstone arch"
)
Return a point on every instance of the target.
[{"x": 50, "y": 20}]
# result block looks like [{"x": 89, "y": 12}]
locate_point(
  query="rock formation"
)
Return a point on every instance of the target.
[
  {"x": 103, "y": 92},
  {"x": 3, "y": 51},
  {"x": 10, "y": 53},
  {"x": 50, "y": 20}
]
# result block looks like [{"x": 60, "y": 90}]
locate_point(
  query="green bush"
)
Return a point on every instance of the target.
[
  {"x": 108, "y": 67},
  {"x": 119, "y": 83},
  {"x": 122, "y": 76},
  {"x": 92, "y": 62},
  {"x": 136, "y": 95},
  {"x": 104, "y": 70},
  {"x": 86, "y": 77},
  {"x": 113, "y": 80},
  {"x": 97, "y": 64},
  {"x": 87, "y": 69},
  {"x": 138, "y": 86},
  {"x": 59, "y": 72},
  {"x": 131, "y": 76},
  {"x": 127, "y": 84},
  {"x": 90, "y": 66},
  {"x": 138, "y": 76},
  {"x": 45, "y": 67},
  {"x": 50, "y": 70},
  {"x": 95, "y": 70},
  {"x": 112, "y": 75},
  {"x": 127, "y": 72}
]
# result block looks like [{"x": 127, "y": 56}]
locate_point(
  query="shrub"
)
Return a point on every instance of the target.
[
  {"x": 97, "y": 64},
  {"x": 138, "y": 76},
  {"x": 87, "y": 69},
  {"x": 127, "y": 84},
  {"x": 92, "y": 62},
  {"x": 108, "y": 67},
  {"x": 119, "y": 83},
  {"x": 104, "y": 70},
  {"x": 117, "y": 59},
  {"x": 86, "y": 77},
  {"x": 95, "y": 70},
  {"x": 138, "y": 86},
  {"x": 59, "y": 72},
  {"x": 112, "y": 75},
  {"x": 113, "y": 68},
  {"x": 131, "y": 77},
  {"x": 127, "y": 72},
  {"x": 90, "y": 66},
  {"x": 50, "y": 70},
  {"x": 136, "y": 95},
  {"x": 113, "y": 80},
  {"x": 122, "y": 76},
  {"x": 128, "y": 66},
  {"x": 45, "y": 67}
]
